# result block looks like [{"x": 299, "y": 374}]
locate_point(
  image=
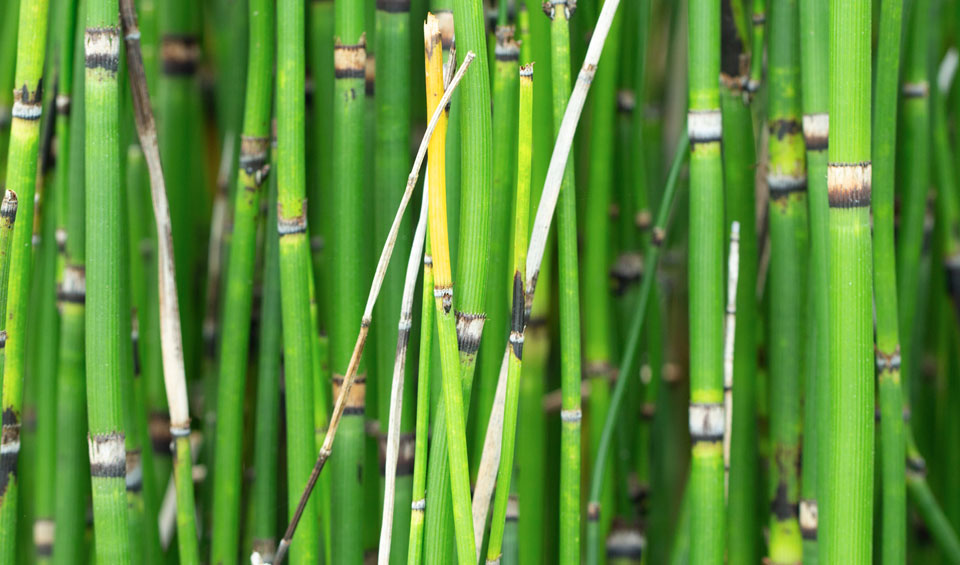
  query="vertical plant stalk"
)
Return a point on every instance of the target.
[
  {"x": 571, "y": 416},
  {"x": 254, "y": 167},
  {"x": 418, "y": 498},
  {"x": 706, "y": 275},
  {"x": 739, "y": 161},
  {"x": 816, "y": 125},
  {"x": 347, "y": 269},
  {"x": 787, "y": 182},
  {"x": 847, "y": 527},
  {"x": 505, "y": 97},
  {"x": 392, "y": 162},
  {"x": 729, "y": 339},
  {"x": 21, "y": 176},
  {"x": 628, "y": 360},
  {"x": 385, "y": 254},
  {"x": 476, "y": 152},
  {"x": 294, "y": 266},
  {"x": 72, "y": 487},
  {"x": 170, "y": 336},
  {"x": 518, "y": 316},
  {"x": 8, "y": 62},
  {"x": 597, "y": 237},
  {"x": 758, "y": 20},
  {"x": 893, "y": 538},
  {"x": 443, "y": 294},
  {"x": 394, "y": 443},
  {"x": 104, "y": 277}
]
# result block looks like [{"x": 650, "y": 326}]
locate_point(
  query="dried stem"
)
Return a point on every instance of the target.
[{"x": 729, "y": 335}]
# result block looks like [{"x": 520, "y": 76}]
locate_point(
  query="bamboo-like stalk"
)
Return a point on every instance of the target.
[
  {"x": 294, "y": 265},
  {"x": 597, "y": 312},
  {"x": 21, "y": 176},
  {"x": 505, "y": 97},
  {"x": 813, "y": 67},
  {"x": 178, "y": 130},
  {"x": 394, "y": 450},
  {"x": 729, "y": 342},
  {"x": 739, "y": 159},
  {"x": 340, "y": 404},
  {"x": 456, "y": 455},
  {"x": 706, "y": 288},
  {"x": 266, "y": 442},
  {"x": 789, "y": 234},
  {"x": 238, "y": 302},
  {"x": 8, "y": 61},
  {"x": 518, "y": 316},
  {"x": 758, "y": 22},
  {"x": 418, "y": 498},
  {"x": 559, "y": 13},
  {"x": 532, "y": 460},
  {"x": 392, "y": 117},
  {"x": 72, "y": 487},
  {"x": 846, "y": 533},
  {"x": 170, "y": 334},
  {"x": 476, "y": 152},
  {"x": 913, "y": 180},
  {"x": 893, "y": 538},
  {"x": 105, "y": 296},
  {"x": 347, "y": 269},
  {"x": 628, "y": 359}
]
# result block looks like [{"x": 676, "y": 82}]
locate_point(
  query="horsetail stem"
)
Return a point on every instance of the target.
[
  {"x": 392, "y": 116},
  {"x": 846, "y": 528},
  {"x": 568, "y": 270},
  {"x": 505, "y": 97},
  {"x": 238, "y": 302},
  {"x": 740, "y": 205},
  {"x": 706, "y": 285},
  {"x": 518, "y": 315},
  {"x": 887, "y": 354},
  {"x": 628, "y": 361}
]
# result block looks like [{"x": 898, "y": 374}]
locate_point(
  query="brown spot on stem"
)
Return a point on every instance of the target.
[
  {"x": 506, "y": 48},
  {"x": 784, "y": 127},
  {"x": 848, "y": 184},
  {"x": 356, "y": 396}
]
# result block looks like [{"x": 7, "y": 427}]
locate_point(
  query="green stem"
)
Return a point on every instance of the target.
[
  {"x": 628, "y": 360},
  {"x": 107, "y": 310},
  {"x": 706, "y": 285},
  {"x": 294, "y": 265},
  {"x": 517, "y": 317},
  {"x": 893, "y": 538},
  {"x": 847, "y": 528},
  {"x": 347, "y": 271},
  {"x": 238, "y": 302}
]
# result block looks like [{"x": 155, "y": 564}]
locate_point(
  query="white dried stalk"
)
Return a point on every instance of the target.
[
  {"x": 490, "y": 458},
  {"x": 396, "y": 390},
  {"x": 729, "y": 335}
]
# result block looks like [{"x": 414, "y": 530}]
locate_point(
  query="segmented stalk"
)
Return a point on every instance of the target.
[
  {"x": 418, "y": 498},
  {"x": 813, "y": 65},
  {"x": 518, "y": 315},
  {"x": 456, "y": 455},
  {"x": 739, "y": 159},
  {"x": 789, "y": 234},
  {"x": 706, "y": 284},
  {"x": 107, "y": 309},
  {"x": 476, "y": 151},
  {"x": 847, "y": 527},
  {"x": 392, "y": 116},
  {"x": 72, "y": 487},
  {"x": 267, "y": 439},
  {"x": 571, "y": 416},
  {"x": 628, "y": 360},
  {"x": 238, "y": 300},
  {"x": 21, "y": 176},
  {"x": 505, "y": 97},
  {"x": 294, "y": 265},
  {"x": 758, "y": 21},
  {"x": 893, "y": 441}
]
